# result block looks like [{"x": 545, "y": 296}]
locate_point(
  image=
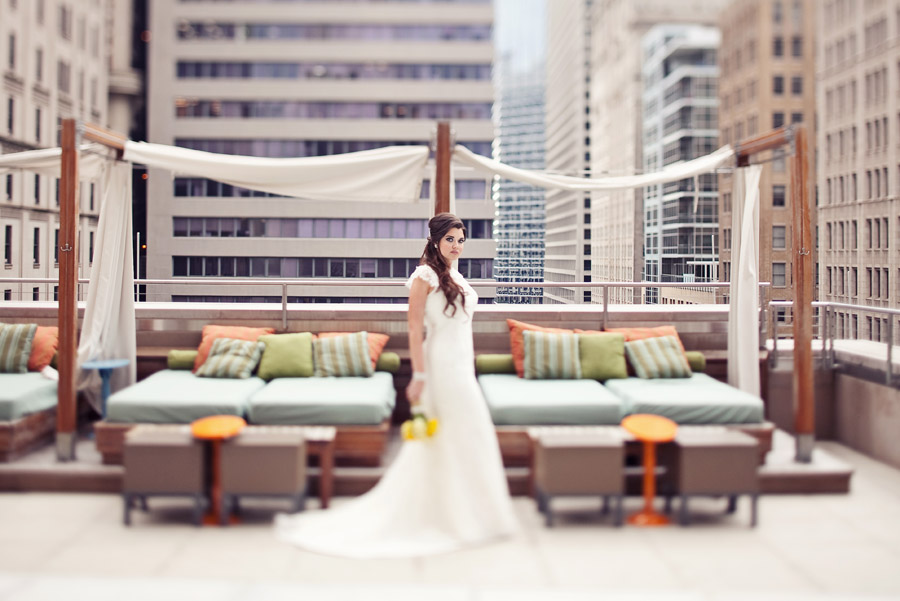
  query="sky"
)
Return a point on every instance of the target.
[{"x": 520, "y": 30}]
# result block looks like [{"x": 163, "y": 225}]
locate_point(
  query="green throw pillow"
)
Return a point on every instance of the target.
[
  {"x": 342, "y": 355},
  {"x": 696, "y": 360},
  {"x": 551, "y": 356},
  {"x": 659, "y": 357},
  {"x": 389, "y": 362},
  {"x": 602, "y": 356},
  {"x": 286, "y": 356},
  {"x": 15, "y": 346},
  {"x": 495, "y": 364},
  {"x": 231, "y": 358},
  {"x": 181, "y": 359}
]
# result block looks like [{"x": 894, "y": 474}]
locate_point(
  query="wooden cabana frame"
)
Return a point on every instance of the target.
[
  {"x": 803, "y": 274},
  {"x": 67, "y": 415}
]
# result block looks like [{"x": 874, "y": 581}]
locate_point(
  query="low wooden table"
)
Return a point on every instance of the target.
[{"x": 320, "y": 443}]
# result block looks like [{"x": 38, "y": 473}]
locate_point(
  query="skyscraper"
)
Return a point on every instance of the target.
[
  {"x": 859, "y": 163},
  {"x": 54, "y": 64},
  {"x": 291, "y": 79},
  {"x": 680, "y": 119}
]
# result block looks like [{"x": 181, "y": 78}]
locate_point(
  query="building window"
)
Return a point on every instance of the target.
[
  {"x": 777, "y": 12},
  {"x": 777, "y": 46},
  {"x": 9, "y": 186},
  {"x": 10, "y": 114},
  {"x": 778, "y": 275},
  {"x": 797, "y": 85},
  {"x": 35, "y": 294},
  {"x": 56, "y": 245},
  {"x": 37, "y": 189},
  {"x": 37, "y": 125},
  {"x": 779, "y": 193},
  {"x": 90, "y": 247},
  {"x": 7, "y": 294},
  {"x": 777, "y": 120},
  {"x": 39, "y": 65},
  {"x": 8, "y": 245},
  {"x": 779, "y": 233},
  {"x": 797, "y": 46},
  {"x": 778, "y": 85},
  {"x": 796, "y": 117},
  {"x": 12, "y": 52},
  {"x": 37, "y": 246}
]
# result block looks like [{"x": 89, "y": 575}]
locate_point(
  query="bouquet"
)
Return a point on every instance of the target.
[{"x": 418, "y": 427}]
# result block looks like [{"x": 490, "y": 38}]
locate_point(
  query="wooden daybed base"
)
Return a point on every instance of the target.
[
  {"x": 354, "y": 445},
  {"x": 19, "y": 436}
]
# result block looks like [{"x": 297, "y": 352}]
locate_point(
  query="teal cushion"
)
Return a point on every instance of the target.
[
  {"x": 343, "y": 356},
  {"x": 15, "y": 346},
  {"x": 602, "y": 356},
  {"x": 286, "y": 356},
  {"x": 347, "y": 400},
  {"x": 231, "y": 358},
  {"x": 698, "y": 399},
  {"x": 658, "y": 357},
  {"x": 180, "y": 397},
  {"x": 551, "y": 356},
  {"x": 514, "y": 401},
  {"x": 24, "y": 394}
]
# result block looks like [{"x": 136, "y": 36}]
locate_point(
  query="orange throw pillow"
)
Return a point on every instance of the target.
[
  {"x": 517, "y": 341},
  {"x": 641, "y": 333},
  {"x": 210, "y": 333},
  {"x": 376, "y": 342},
  {"x": 43, "y": 347}
]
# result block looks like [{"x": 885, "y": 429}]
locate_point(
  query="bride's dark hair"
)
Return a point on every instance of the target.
[{"x": 438, "y": 226}]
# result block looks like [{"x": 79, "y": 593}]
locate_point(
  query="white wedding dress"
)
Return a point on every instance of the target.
[{"x": 441, "y": 494}]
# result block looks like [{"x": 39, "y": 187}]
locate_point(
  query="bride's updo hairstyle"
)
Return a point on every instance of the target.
[{"x": 438, "y": 227}]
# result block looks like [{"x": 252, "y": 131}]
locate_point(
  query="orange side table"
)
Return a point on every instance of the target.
[
  {"x": 215, "y": 429},
  {"x": 650, "y": 430}
]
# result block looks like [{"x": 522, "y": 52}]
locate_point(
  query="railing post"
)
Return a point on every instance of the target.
[
  {"x": 284, "y": 288},
  {"x": 605, "y": 306},
  {"x": 890, "y": 351}
]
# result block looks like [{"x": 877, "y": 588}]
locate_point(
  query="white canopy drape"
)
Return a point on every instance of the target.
[
  {"x": 46, "y": 161},
  {"x": 384, "y": 174},
  {"x": 672, "y": 173},
  {"x": 743, "y": 316}
]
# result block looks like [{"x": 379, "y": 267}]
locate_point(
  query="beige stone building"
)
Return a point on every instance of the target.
[
  {"x": 859, "y": 162},
  {"x": 616, "y": 148},
  {"x": 767, "y": 65},
  {"x": 312, "y": 78},
  {"x": 54, "y": 65}
]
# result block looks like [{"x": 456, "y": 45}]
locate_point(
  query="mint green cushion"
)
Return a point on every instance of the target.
[
  {"x": 181, "y": 359},
  {"x": 388, "y": 362},
  {"x": 658, "y": 357},
  {"x": 602, "y": 356},
  {"x": 696, "y": 360},
  {"x": 180, "y": 397},
  {"x": 24, "y": 394},
  {"x": 495, "y": 364},
  {"x": 698, "y": 399},
  {"x": 286, "y": 356},
  {"x": 514, "y": 401},
  {"x": 551, "y": 356},
  {"x": 346, "y": 400}
]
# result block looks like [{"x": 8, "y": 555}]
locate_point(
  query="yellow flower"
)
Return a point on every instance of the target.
[{"x": 419, "y": 427}]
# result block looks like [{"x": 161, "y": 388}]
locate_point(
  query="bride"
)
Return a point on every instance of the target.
[{"x": 446, "y": 492}]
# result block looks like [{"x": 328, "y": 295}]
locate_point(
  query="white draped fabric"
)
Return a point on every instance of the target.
[
  {"x": 108, "y": 327},
  {"x": 380, "y": 175},
  {"x": 672, "y": 173},
  {"x": 743, "y": 317},
  {"x": 46, "y": 161}
]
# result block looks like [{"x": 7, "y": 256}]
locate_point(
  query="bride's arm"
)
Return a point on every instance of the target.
[{"x": 418, "y": 292}]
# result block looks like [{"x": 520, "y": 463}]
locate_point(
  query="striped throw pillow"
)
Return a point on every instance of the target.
[
  {"x": 15, "y": 346},
  {"x": 231, "y": 358},
  {"x": 660, "y": 357},
  {"x": 551, "y": 356},
  {"x": 342, "y": 356}
]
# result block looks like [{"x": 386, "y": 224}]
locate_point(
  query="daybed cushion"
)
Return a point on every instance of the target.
[
  {"x": 331, "y": 400},
  {"x": 24, "y": 394},
  {"x": 699, "y": 399},
  {"x": 180, "y": 397},
  {"x": 514, "y": 401}
]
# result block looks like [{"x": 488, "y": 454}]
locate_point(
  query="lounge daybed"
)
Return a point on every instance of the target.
[
  {"x": 360, "y": 407},
  {"x": 517, "y": 403}
]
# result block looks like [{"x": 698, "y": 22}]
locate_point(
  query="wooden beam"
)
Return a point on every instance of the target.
[
  {"x": 802, "y": 267},
  {"x": 770, "y": 140},
  {"x": 442, "y": 169},
  {"x": 111, "y": 139},
  {"x": 68, "y": 283}
]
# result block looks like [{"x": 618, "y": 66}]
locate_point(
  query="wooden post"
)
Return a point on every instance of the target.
[
  {"x": 66, "y": 412},
  {"x": 801, "y": 251},
  {"x": 442, "y": 169}
]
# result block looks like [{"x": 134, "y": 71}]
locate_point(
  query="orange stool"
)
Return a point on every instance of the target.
[
  {"x": 215, "y": 429},
  {"x": 650, "y": 430}
]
